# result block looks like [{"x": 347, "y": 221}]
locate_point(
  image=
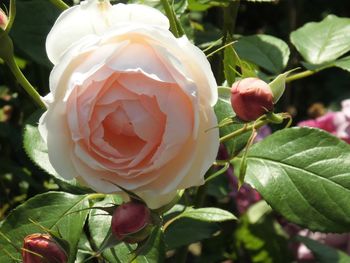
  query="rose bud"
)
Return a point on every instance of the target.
[
  {"x": 131, "y": 222},
  {"x": 251, "y": 98},
  {"x": 42, "y": 248},
  {"x": 3, "y": 19}
]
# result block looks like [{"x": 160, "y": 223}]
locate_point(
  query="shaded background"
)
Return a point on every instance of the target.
[{"x": 20, "y": 178}]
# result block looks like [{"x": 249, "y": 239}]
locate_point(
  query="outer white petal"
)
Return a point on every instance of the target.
[
  {"x": 95, "y": 17},
  {"x": 54, "y": 127},
  {"x": 42, "y": 126},
  {"x": 155, "y": 200},
  {"x": 202, "y": 73},
  {"x": 80, "y": 61},
  {"x": 138, "y": 14},
  {"x": 206, "y": 150}
]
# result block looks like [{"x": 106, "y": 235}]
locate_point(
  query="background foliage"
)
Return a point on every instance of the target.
[{"x": 259, "y": 235}]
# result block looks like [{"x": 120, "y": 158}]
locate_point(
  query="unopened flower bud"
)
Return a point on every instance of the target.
[
  {"x": 42, "y": 248},
  {"x": 3, "y": 19},
  {"x": 251, "y": 98},
  {"x": 131, "y": 222}
]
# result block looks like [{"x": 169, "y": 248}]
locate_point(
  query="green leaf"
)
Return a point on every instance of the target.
[
  {"x": 266, "y": 51},
  {"x": 323, "y": 253},
  {"x": 343, "y": 63},
  {"x": 208, "y": 214},
  {"x": 29, "y": 30},
  {"x": 84, "y": 250},
  {"x": 250, "y": 70},
  {"x": 180, "y": 6},
  {"x": 202, "y": 5},
  {"x": 230, "y": 61},
  {"x": 219, "y": 187},
  {"x": 303, "y": 173},
  {"x": 186, "y": 231},
  {"x": 258, "y": 211},
  {"x": 264, "y": 240},
  {"x": 278, "y": 85},
  {"x": 320, "y": 42},
  {"x": 60, "y": 212},
  {"x": 153, "y": 250}
]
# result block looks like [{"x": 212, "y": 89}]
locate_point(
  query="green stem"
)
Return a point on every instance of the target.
[
  {"x": 217, "y": 173},
  {"x": 60, "y": 4},
  {"x": 24, "y": 82},
  {"x": 11, "y": 16},
  {"x": 96, "y": 196},
  {"x": 172, "y": 19},
  {"x": 248, "y": 127},
  {"x": 221, "y": 162},
  {"x": 300, "y": 75}
]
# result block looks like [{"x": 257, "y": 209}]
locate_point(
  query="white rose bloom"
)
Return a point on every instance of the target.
[{"x": 130, "y": 104}]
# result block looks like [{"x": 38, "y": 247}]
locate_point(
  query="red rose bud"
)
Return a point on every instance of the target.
[
  {"x": 42, "y": 248},
  {"x": 3, "y": 19},
  {"x": 131, "y": 222},
  {"x": 251, "y": 98}
]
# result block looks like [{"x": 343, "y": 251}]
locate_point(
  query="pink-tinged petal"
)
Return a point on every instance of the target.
[
  {"x": 116, "y": 92},
  {"x": 177, "y": 171},
  {"x": 177, "y": 107},
  {"x": 144, "y": 125},
  {"x": 102, "y": 181},
  {"x": 190, "y": 165},
  {"x": 81, "y": 61},
  {"x": 146, "y": 62}
]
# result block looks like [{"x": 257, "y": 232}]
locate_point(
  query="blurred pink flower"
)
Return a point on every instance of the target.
[
  {"x": 336, "y": 123},
  {"x": 325, "y": 122}
]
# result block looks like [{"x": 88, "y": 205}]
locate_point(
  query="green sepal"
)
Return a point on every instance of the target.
[{"x": 278, "y": 85}]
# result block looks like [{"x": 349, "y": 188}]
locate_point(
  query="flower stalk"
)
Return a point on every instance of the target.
[
  {"x": 6, "y": 53},
  {"x": 300, "y": 75},
  {"x": 175, "y": 27},
  {"x": 248, "y": 127},
  {"x": 22, "y": 80}
]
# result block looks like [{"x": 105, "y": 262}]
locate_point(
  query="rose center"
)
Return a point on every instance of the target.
[{"x": 119, "y": 133}]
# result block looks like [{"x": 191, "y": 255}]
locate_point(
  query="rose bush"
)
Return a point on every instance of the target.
[{"x": 130, "y": 104}]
